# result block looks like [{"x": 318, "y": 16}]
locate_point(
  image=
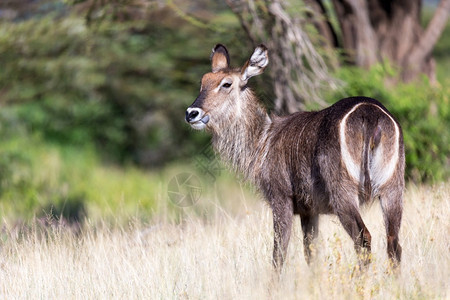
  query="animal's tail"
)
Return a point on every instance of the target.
[{"x": 372, "y": 139}]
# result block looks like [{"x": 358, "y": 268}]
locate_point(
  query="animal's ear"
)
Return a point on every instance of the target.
[
  {"x": 256, "y": 64},
  {"x": 219, "y": 58}
]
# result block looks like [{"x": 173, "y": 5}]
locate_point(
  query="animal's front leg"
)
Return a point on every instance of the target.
[{"x": 283, "y": 211}]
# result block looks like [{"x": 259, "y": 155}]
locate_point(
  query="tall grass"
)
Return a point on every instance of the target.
[{"x": 225, "y": 252}]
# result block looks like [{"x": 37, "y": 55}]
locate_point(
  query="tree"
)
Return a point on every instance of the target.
[
  {"x": 298, "y": 70},
  {"x": 374, "y": 31},
  {"x": 367, "y": 32}
]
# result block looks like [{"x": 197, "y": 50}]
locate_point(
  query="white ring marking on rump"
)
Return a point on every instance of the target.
[{"x": 379, "y": 172}]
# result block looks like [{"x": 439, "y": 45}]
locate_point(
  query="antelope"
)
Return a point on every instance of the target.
[{"x": 330, "y": 161}]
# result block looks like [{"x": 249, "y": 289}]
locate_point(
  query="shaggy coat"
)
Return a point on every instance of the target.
[{"x": 307, "y": 163}]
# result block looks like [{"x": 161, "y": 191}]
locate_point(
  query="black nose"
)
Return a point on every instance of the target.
[{"x": 191, "y": 115}]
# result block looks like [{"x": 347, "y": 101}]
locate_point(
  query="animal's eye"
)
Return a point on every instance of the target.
[{"x": 226, "y": 85}]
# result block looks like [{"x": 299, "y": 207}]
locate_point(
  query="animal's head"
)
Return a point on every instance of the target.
[{"x": 223, "y": 90}]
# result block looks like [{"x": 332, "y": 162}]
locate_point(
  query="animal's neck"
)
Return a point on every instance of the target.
[{"x": 241, "y": 140}]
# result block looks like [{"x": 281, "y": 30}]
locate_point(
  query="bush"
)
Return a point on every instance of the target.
[
  {"x": 423, "y": 112},
  {"x": 121, "y": 86},
  {"x": 70, "y": 184}
]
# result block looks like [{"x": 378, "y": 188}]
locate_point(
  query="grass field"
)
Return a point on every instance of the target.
[{"x": 225, "y": 252}]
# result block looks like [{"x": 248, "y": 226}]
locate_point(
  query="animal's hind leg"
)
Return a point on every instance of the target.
[
  {"x": 391, "y": 205},
  {"x": 349, "y": 215},
  {"x": 310, "y": 227}
]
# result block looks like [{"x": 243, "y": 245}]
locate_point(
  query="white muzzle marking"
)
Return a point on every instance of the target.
[{"x": 200, "y": 121}]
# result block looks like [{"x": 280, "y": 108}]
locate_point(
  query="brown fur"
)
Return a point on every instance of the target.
[{"x": 296, "y": 161}]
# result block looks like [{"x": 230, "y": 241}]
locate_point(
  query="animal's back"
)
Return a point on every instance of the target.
[{"x": 356, "y": 141}]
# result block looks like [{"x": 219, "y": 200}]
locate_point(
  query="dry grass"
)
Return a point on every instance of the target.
[{"x": 228, "y": 256}]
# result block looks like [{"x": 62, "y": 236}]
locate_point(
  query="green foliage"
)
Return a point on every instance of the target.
[
  {"x": 422, "y": 110},
  {"x": 70, "y": 184},
  {"x": 120, "y": 86},
  {"x": 74, "y": 95},
  {"x": 70, "y": 209}
]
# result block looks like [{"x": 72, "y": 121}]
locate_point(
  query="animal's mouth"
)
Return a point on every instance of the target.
[
  {"x": 197, "y": 118},
  {"x": 200, "y": 124}
]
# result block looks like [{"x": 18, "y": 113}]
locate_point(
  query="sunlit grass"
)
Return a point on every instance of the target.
[{"x": 224, "y": 252}]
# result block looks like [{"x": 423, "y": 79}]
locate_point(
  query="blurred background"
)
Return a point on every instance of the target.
[{"x": 93, "y": 93}]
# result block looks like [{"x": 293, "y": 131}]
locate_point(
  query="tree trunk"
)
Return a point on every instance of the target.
[
  {"x": 358, "y": 36},
  {"x": 298, "y": 71},
  {"x": 376, "y": 31},
  {"x": 320, "y": 19},
  {"x": 420, "y": 60},
  {"x": 371, "y": 32}
]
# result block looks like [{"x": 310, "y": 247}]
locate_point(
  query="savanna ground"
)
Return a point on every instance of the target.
[{"x": 221, "y": 247}]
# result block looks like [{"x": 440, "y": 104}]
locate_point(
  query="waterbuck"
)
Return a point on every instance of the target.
[{"x": 307, "y": 163}]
